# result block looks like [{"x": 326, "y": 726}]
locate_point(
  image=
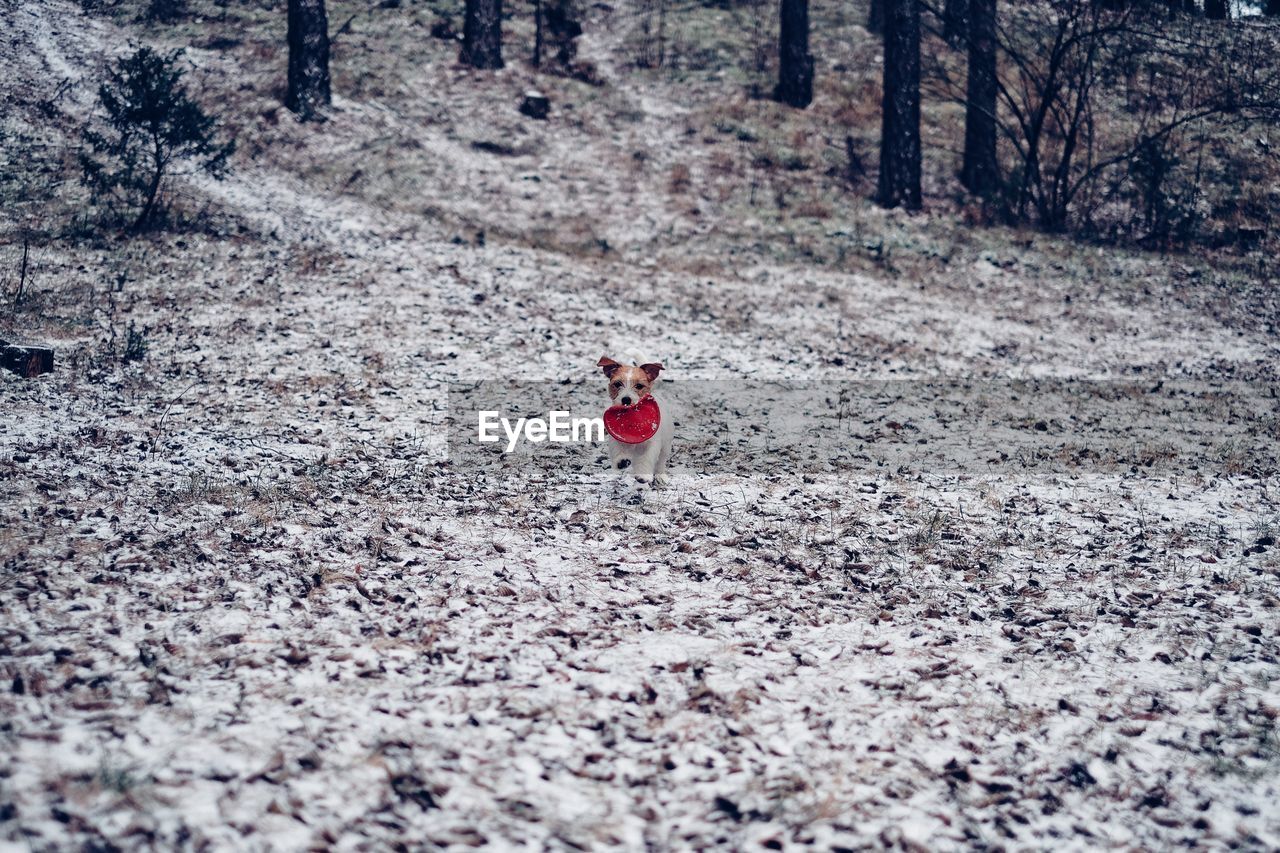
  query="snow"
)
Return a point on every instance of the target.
[{"x": 247, "y": 602}]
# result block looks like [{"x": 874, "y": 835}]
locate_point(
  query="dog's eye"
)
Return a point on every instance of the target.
[
  {"x": 640, "y": 387},
  {"x": 617, "y": 385}
]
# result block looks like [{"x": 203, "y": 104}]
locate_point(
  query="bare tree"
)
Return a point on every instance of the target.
[
  {"x": 981, "y": 171},
  {"x": 795, "y": 63},
  {"x": 1273, "y": 9},
  {"x": 1052, "y": 102},
  {"x": 1215, "y": 10},
  {"x": 1104, "y": 108},
  {"x": 482, "y": 35},
  {"x": 308, "y": 58},
  {"x": 899, "y": 183}
]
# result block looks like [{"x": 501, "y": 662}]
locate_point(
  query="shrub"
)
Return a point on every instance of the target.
[
  {"x": 1169, "y": 202},
  {"x": 151, "y": 130}
]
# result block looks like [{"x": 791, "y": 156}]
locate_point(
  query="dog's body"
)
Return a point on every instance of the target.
[{"x": 628, "y": 385}]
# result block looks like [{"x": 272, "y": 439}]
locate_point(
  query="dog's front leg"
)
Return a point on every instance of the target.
[
  {"x": 619, "y": 460},
  {"x": 646, "y": 464}
]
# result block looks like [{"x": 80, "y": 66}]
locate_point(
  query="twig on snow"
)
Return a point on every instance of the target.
[{"x": 165, "y": 414}]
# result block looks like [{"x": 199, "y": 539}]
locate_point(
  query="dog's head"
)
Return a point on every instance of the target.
[{"x": 629, "y": 385}]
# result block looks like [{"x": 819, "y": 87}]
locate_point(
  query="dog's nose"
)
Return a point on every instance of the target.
[{"x": 626, "y": 401}]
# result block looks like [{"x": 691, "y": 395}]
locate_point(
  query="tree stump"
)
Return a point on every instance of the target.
[
  {"x": 1250, "y": 234},
  {"x": 536, "y": 105},
  {"x": 26, "y": 361}
]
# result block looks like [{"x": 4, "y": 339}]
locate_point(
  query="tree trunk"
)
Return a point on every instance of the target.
[
  {"x": 308, "y": 58},
  {"x": 875, "y": 17},
  {"x": 981, "y": 171},
  {"x": 563, "y": 29},
  {"x": 1272, "y": 9},
  {"x": 662, "y": 33},
  {"x": 482, "y": 34},
  {"x": 900, "y": 113},
  {"x": 22, "y": 278},
  {"x": 795, "y": 63},
  {"x": 153, "y": 188},
  {"x": 955, "y": 17},
  {"x": 149, "y": 206},
  {"x": 1215, "y": 10},
  {"x": 537, "y": 33}
]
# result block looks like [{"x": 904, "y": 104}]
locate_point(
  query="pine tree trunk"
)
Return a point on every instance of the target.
[
  {"x": 900, "y": 115},
  {"x": 1272, "y": 9},
  {"x": 981, "y": 172},
  {"x": 875, "y": 17},
  {"x": 1215, "y": 10},
  {"x": 308, "y": 58},
  {"x": 153, "y": 193},
  {"x": 795, "y": 63},
  {"x": 537, "y": 33},
  {"x": 482, "y": 34},
  {"x": 955, "y": 21}
]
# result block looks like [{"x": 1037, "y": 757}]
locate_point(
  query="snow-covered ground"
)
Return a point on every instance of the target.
[{"x": 249, "y": 599}]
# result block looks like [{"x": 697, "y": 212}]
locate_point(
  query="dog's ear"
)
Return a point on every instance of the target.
[
  {"x": 608, "y": 365},
  {"x": 651, "y": 370}
]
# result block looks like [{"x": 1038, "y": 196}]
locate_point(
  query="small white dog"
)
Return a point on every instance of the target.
[{"x": 628, "y": 386}]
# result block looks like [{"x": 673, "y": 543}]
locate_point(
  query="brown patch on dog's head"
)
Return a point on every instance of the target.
[{"x": 629, "y": 385}]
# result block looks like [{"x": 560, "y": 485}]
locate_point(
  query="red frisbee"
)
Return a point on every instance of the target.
[{"x": 633, "y": 424}]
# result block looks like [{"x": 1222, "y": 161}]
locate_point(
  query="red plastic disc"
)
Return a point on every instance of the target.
[{"x": 633, "y": 424}]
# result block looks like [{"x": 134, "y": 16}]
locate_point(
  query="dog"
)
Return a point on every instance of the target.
[{"x": 628, "y": 385}]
